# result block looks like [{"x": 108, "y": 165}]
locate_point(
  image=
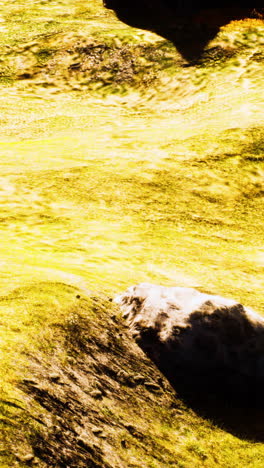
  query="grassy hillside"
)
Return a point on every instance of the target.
[{"x": 119, "y": 164}]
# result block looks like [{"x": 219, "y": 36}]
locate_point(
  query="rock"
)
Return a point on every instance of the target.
[
  {"x": 208, "y": 343},
  {"x": 84, "y": 440},
  {"x": 132, "y": 430},
  {"x": 152, "y": 386},
  {"x": 97, "y": 394},
  {"x": 139, "y": 379},
  {"x": 125, "y": 378},
  {"x": 124, "y": 443},
  {"x": 129, "y": 426},
  {"x": 27, "y": 458},
  {"x": 97, "y": 430},
  {"x": 30, "y": 381},
  {"x": 54, "y": 377}
]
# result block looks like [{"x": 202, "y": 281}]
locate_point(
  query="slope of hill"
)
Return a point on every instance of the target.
[{"x": 119, "y": 164}]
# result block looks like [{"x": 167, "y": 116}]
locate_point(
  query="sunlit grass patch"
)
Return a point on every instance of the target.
[
  {"x": 136, "y": 194},
  {"x": 26, "y": 315},
  {"x": 34, "y": 321}
]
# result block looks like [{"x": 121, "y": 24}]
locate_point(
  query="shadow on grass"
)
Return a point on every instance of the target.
[
  {"x": 231, "y": 401},
  {"x": 189, "y": 27}
]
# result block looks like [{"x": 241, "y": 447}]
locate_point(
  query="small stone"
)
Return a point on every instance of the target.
[
  {"x": 54, "y": 377},
  {"x": 30, "y": 381},
  {"x": 139, "y": 379},
  {"x": 152, "y": 386},
  {"x": 130, "y": 427},
  {"x": 83, "y": 440},
  {"x": 124, "y": 377},
  {"x": 57, "y": 429},
  {"x": 98, "y": 431},
  {"x": 97, "y": 394},
  {"x": 28, "y": 457}
]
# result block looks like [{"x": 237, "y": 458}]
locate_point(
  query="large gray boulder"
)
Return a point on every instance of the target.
[{"x": 205, "y": 345}]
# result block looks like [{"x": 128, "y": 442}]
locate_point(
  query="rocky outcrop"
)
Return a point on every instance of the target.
[{"x": 206, "y": 345}]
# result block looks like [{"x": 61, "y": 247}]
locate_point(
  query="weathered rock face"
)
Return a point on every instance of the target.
[
  {"x": 204, "y": 344},
  {"x": 190, "y": 25}
]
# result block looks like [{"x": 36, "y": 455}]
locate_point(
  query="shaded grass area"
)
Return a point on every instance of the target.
[
  {"x": 71, "y": 45},
  {"x": 144, "y": 170},
  {"x": 87, "y": 396}
]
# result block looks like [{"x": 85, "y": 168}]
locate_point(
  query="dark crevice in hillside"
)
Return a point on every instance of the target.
[{"x": 241, "y": 414}]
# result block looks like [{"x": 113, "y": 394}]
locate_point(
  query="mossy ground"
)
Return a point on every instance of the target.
[{"x": 119, "y": 164}]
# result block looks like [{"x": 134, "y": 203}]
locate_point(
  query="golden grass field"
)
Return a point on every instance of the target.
[{"x": 109, "y": 179}]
